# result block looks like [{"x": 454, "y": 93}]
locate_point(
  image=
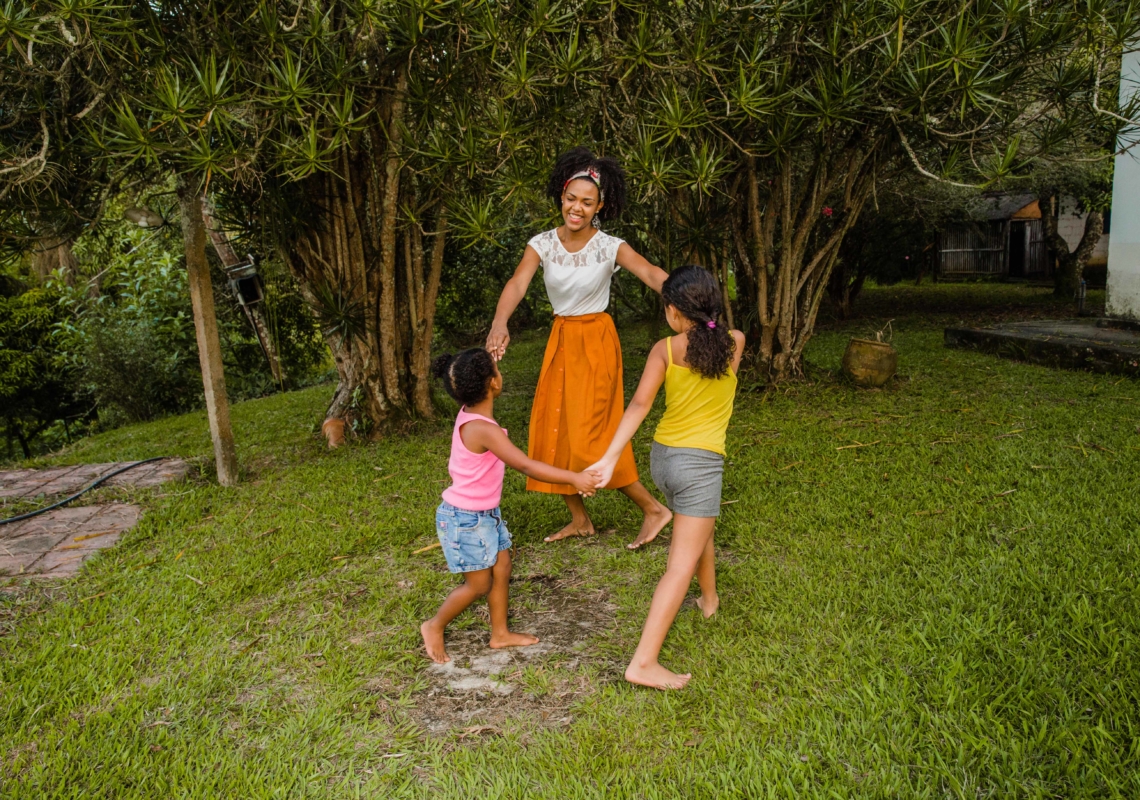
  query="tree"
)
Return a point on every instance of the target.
[
  {"x": 1087, "y": 180},
  {"x": 60, "y": 62},
  {"x": 57, "y": 52},
  {"x": 353, "y": 140},
  {"x": 896, "y": 235},
  {"x": 37, "y": 387},
  {"x": 800, "y": 112}
]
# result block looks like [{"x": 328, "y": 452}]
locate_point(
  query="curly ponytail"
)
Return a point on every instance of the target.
[
  {"x": 465, "y": 376},
  {"x": 612, "y": 179},
  {"x": 693, "y": 292}
]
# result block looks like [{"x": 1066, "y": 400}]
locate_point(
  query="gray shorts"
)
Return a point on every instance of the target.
[{"x": 689, "y": 478}]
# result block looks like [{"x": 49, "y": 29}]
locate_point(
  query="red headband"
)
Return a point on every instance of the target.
[{"x": 589, "y": 174}]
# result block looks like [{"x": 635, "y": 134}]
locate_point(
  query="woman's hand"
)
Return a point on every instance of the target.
[
  {"x": 497, "y": 341},
  {"x": 513, "y": 293}
]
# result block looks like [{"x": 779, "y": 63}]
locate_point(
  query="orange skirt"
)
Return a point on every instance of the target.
[{"x": 579, "y": 401}]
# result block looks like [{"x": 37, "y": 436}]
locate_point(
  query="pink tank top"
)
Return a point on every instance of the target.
[{"x": 476, "y": 478}]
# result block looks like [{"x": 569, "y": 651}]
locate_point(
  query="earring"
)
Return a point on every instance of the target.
[{"x": 596, "y": 222}]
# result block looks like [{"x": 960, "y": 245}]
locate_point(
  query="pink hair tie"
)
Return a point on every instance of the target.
[{"x": 712, "y": 323}]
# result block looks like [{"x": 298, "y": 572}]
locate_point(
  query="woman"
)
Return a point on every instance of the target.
[{"x": 580, "y": 399}]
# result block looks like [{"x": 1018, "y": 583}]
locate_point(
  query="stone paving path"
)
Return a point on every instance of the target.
[
  {"x": 1099, "y": 345},
  {"x": 27, "y": 484},
  {"x": 55, "y": 544}
]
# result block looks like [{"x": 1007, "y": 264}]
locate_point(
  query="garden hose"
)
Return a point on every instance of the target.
[{"x": 67, "y": 500}]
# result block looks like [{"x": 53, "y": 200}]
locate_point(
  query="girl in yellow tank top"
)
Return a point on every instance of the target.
[
  {"x": 697, "y": 408},
  {"x": 698, "y": 368}
]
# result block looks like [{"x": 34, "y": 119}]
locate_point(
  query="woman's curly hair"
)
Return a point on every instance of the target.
[
  {"x": 693, "y": 292},
  {"x": 612, "y": 178},
  {"x": 467, "y": 375}
]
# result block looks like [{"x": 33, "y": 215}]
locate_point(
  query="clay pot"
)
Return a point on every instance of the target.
[
  {"x": 333, "y": 429},
  {"x": 870, "y": 364}
]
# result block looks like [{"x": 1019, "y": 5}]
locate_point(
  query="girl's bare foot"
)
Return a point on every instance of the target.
[
  {"x": 433, "y": 643},
  {"x": 656, "y": 676},
  {"x": 511, "y": 639},
  {"x": 572, "y": 529},
  {"x": 708, "y": 606},
  {"x": 652, "y": 525}
]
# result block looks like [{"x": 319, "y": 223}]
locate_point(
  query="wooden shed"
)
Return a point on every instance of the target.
[{"x": 1005, "y": 239}]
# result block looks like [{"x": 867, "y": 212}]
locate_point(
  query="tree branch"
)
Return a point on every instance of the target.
[{"x": 923, "y": 170}]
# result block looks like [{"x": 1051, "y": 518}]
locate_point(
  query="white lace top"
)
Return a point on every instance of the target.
[{"x": 577, "y": 283}]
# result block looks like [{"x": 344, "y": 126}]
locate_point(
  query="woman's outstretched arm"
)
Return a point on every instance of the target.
[
  {"x": 513, "y": 293},
  {"x": 649, "y": 274},
  {"x": 647, "y": 388}
]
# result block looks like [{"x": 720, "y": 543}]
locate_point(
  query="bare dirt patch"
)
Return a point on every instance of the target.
[{"x": 481, "y": 689}]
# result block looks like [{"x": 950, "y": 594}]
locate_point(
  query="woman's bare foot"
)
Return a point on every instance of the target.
[
  {"x": 652, "y": 525},
  {"x": 433, "y": 643},
  {"x": 573, "y": 529},
  {"x": 708, "y": 607},
  {"x": 512, "y": 639},
  {"x": 656, "y": 676}
]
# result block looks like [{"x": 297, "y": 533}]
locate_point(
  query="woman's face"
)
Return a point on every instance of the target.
[{"x": 580, "y": 202}]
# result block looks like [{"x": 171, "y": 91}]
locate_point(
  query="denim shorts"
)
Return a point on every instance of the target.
[
  {"x": 471, "y": 540},
  {"x": 689, "y": 478}
]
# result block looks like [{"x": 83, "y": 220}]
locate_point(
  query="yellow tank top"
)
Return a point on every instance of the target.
[{"x": 697, "y": 409}]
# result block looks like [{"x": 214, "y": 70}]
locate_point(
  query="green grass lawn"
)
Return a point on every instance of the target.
[{"x": 926, "y": 591}]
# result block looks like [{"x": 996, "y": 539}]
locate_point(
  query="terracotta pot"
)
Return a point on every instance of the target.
[
  {"x": 870, "y": 364},
  {"x": 333, "y": 429}
]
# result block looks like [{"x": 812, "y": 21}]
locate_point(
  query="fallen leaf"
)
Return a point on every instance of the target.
[
  {"x": 95, "y": 535},
  {"x": 858, "y": 444}
]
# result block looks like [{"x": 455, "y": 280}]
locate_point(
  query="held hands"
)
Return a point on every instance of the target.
[
  {"x": 586, "y": 482},
  {"x": 497, "y": 341},
  {"x": 604, "y": 469}
]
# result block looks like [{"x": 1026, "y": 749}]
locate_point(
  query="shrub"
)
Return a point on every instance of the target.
[
  {"x": 38, "y": 384},
  {"x": 134, "y": 342}
]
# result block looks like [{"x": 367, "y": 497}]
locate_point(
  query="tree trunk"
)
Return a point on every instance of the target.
[
  {"x": 839, "y": 290},
  {"x": 426, "y": 292},
  {"x": 788, "y": 251},
  {"x": 387, "y": 310},
  {"x": 331, "y": 259},
  {"x": 57, "y": 257},
  {"x": 229, "y": 258},
  {"x": 1068, "y": 267},
  {"x": 379, "y": 277},
  {"x": 14, "y": 426},
  {"x": 206, "y": 330}
]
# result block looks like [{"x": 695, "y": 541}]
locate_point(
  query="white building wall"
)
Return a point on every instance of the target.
[{"x": 1123, "y": 298}]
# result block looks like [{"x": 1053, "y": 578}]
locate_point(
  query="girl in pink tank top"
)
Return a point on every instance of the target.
[{"x": 474, "y": 538}]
